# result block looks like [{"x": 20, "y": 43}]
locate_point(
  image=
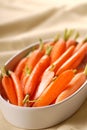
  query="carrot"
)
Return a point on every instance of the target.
[
  {"x": 52, "y": 43},
  {"x": 8, "y": 86},
  {"x": 33, "y": 58},
  {"x": 82, "y": 65},
  {"x": 18, "y": 88},
  {"x": 19, "y": 68},
  {"x": 77, "y": 63},
  {"x": 73, "y": 86},
  {"x": 49, "y": 73},
  {"x": 45, "y": 80},
  {"x": 2, "y": 91},
  {"x": 70, "y": 42},
  {"x": 78, "y": 56},
  {"x": 36, "y": 74},
  {"x": 79, "y": 45},
  {"x": 24, "y": 80},
  {"x": 54, "y": 89},
  {"x": 58, "y": 50},
  {"x": 73, "y": 41},
  {"x": 60, "y": 61}
]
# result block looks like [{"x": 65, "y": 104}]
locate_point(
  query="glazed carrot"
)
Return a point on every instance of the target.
[
  {"x": 36, "y": 74},
  {"x": 54, "y": 89},
  {"x": 78, "y": 56},
  {"x": 45, "y": 81},
  {"x": 18, "y": 88},
  {"x": 58, "y": 50},
  {"x": 19, "y": 68},
  {"x": 8, "y": 86},
  {"x": 33, "y": 58},
  {"x": 73, "y": 86}
]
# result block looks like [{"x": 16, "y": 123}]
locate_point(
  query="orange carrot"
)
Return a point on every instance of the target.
[
  {"x": 33, "y": 58},
  {"x": 70, "y": 42},
  {"x": 45, "y": 80},
  {"x": 18, "y": 88},
  {"x": 19, "y": 68},
  {"x": 73, "y": 86},
  {"x": 2, "y": 91},
  {"x": 49, "y": 73},
  {"x": 58, "y": 50},
  {"x": 52, "y": 43},
  {"x": 79, "y": 45},
  {"x": 9, "y": 89},
  {"x": 78, "y": 56},
  {"x": 54, "y": 89},
  {"x": 36, "y": 74},
  {"x": 60, "y": 61},
  {"x": 73, "y": 41}
]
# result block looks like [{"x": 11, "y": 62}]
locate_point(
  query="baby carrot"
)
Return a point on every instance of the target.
[
  {"x": 18, "y": 88},
  {"x": 64, "y": 57},
  {"x": 79, "y": 45},
  {"x": 54, "y": 89},
  {"x": 73, "y": 41},
  {"x": 73, "y": 86},
  {"x": 19, "y": 68},
  {"x": 52, "y": 43},
  {"x": 57, "y": 50},
  {"x": 49, "y": 73},
  {"x": 8, "y": 86},
  {"x": 78, "y": 56},
  {"x": 70, "y": 42},
  {"x": 36, "y": 74},
  {"x": 33, "y": 58},
  {"x": 2, "y": 91},
  {"x": 45, "y": 80},
  {"x": 24, "y": 80}
]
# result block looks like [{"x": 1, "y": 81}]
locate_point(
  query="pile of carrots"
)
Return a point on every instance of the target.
[{"x": 48, "y": 74}]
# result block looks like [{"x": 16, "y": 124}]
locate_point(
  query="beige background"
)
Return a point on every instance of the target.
[{"x": 23, "y": 22}]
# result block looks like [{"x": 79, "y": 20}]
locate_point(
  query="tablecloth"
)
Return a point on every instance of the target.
[{"x": 23, "y": 22}]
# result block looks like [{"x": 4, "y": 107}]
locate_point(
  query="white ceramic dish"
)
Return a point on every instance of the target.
[{"x": 41, "y": 117}]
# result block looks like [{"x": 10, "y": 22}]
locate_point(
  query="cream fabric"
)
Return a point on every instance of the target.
[{"x": 23, "y": 22}]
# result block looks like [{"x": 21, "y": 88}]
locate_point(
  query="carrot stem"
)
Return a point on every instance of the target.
[
  {"x": 48, "y": 50},
  {"x": 67, "y": 34},
  {"x": 85, "y": 70},
  {"x": 56, "y": 38},
  {"x": 27, "y": 100},
  {"x": 41, "y": 44}
]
